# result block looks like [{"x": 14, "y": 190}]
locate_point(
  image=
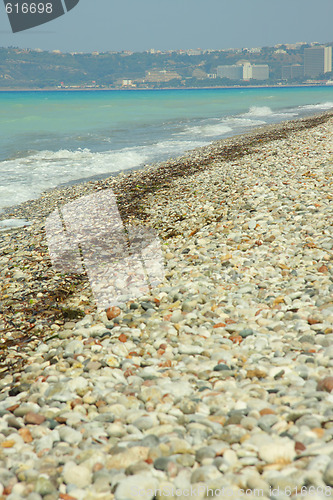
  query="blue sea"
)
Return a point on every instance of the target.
[{"x": 53, "y": 138}]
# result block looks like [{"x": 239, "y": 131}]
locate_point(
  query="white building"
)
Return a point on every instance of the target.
[
  {"x": 244, "y": 71},
  {"x": 317, "y": 61},
  {"x": 247, "y": 71},
  {"x": 260, "y": 72},
  {"x": 231, "y": 71}
]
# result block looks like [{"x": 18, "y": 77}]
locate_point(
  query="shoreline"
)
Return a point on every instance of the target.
[
  {"x": 151, "y": 176},
  {"x": 134, "y": 189},
  {"x": 56, "y": 89}
]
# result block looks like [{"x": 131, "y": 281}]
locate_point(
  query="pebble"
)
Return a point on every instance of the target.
[
  {"x": 219, "y": 375},
  {"x": 328, "y": 474},
  {"x": 77, "y": 475},
  {"x": 326, "y": 384},
  {"x": 138, "y": 485}
]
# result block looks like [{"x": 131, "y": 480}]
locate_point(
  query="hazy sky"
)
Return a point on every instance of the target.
[{"x": 103, "y": 25}]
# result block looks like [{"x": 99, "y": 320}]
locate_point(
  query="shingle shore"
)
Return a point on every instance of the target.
[{"x": 222, "y": 377}]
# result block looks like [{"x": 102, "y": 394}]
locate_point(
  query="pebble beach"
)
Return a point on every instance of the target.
[{"x": 219, "y": 382}]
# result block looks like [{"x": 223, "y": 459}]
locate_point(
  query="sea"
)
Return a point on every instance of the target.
[{"x": 52, "y": 138}]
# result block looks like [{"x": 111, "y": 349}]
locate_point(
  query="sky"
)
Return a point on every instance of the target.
[{"x": 138, "y": 25}]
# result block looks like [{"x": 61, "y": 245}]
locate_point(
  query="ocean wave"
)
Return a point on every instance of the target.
[
  {"x": 259, "y": 111},
  {"x": 23, "y": 179},
  {"x": 207, "y": 130},
  {"x": 324, "y": 105},
  {"x": 266, "y": 111},
  {"x": 244, "y": 122},
  {"x": 26, "y": 178}
]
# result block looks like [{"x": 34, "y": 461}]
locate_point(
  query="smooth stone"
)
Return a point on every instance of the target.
[
  {"x": 204, "y": 474},
  {"x": 233, "y": 434},
  {"x": 149, "y": 441},
  {"x": 25, "y": 408},
  {"x": 189, "y": 305},
  {"x": 257, "y": 483},
  {"x": 267, "y": 421},
  {"x": 31, "y": 496},
  {"x": 234, "y": 419},
  {"x": 176, "y": 316},
  {"x": 186, "y": 460},
  {"x": 247, "y": 332},
  {"x": 328, "y": 474},
  {"x": 34, "y": 418},
  {"x": 204, "y": 452},
  {"x": 127, "y": 457},
  {"x": 309, "y": 420},
  {"x": 78, "y": 475},
  {"x": 44, "y": 486},
  {"x": 137, "y": 468},
  {"x": 221, "y": 367},
  {"x": 98, "y": 331},
  {"x": 144, "y": 423},
  {"x": 78, "y": 385},
  {"x": 188, "y": 406},
  {"x": 137, "y": 486},
  {"x": 161, "y": 463},
  {"x": 147, "y": 305},
  {"x": 278, "y": 450},
  {"x": 13, "y": 422},
  {"x": 177, "y": 389},
  {"x": 74, "y": 347},
  {"x": 319, "y": 463},
  {"x": 190, "y": 349},
  {"x": 70, "y": 436},
  {"x": 230, "y": 458}
]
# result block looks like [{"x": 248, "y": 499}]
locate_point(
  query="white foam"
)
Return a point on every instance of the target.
[
  {"x": 324, "y": 105},
  {"x": 259, "y": 111},
  {"x": 23, "y": 179},
  {"x": 266, "y": 111},
  {"x": 244, "y": 122},
  {"x": 207, "y": 130}
]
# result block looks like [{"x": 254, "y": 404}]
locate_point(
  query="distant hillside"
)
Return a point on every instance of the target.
[{"x": 37, "y": 69}]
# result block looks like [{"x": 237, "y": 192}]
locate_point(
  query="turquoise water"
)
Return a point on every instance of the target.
[{"x": 49, "y": 138}]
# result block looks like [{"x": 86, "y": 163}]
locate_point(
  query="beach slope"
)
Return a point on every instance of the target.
[{"x": 220, "y": 377}]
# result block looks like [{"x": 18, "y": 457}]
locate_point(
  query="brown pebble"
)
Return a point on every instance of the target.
[
  {"x": 75, "y": 402},
  {"x": 149, "y": 383},
  {"x": 34, "y": 418},
  {"x": 12, "y": 408},
  {"x": 267, "y": 411},
  {"x": 256, "y": 373},
  {"x": 25, "y": 435},
  {"x": 8, "y": 444},
  {"x": 313, "y": 321},
  {"x": 94, "y": 365},
  {"x": 278, "y": 300},
  {"x": 326, "y": 384},
  {"x": 318, "y": 431},
  {"x": 323, "y": 269},
  {"x": 61, "y": 420},
  {"x": 97, "y": 467},
  {"x": 100, "y": 403},
  {"x": 299, "y": 447},
  {"x": 113, "y": 312},
  {"x": 64, "y": 496}
]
